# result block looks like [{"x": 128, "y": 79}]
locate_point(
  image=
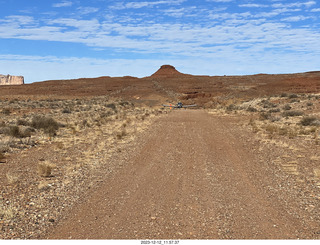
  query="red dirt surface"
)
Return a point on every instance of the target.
[{"x": 195, "y": 176}]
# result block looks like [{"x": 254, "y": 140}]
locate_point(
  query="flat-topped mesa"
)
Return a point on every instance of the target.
[
  {"x": 168, "y": 71},
  {"x": 11, "y": 80}
]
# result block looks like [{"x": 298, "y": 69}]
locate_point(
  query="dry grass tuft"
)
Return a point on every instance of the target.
[
  {"x": 121, "y": 134},
  {"x": 309, "y": 121},
  {"x": 7, "y": 211},
  {"x": 291, "y": 168},
  {"x": 2, "y": 157},
  {"x": 12, "y": 177},
  {"x": 45, "y": 168},
  {"x": 316, "y": 172},
  {"x": 43, "y": 185}
]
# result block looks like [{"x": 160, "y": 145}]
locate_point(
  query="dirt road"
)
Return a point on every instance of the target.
[{"x": 192, "y": 178}]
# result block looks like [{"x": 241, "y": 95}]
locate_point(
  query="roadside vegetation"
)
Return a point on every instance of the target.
[
  {"x": 53, "y": 148},
  {"x": 284, "y": 115}
]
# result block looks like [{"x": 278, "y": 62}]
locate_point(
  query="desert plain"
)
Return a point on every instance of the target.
[{"x": 101, "y": 158}]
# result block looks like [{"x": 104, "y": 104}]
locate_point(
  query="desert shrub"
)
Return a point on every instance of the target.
[
  {"x": 2, "y": 157},
  {"x": 106, "y": 114},
  {"x": 294, "y": 100},
  {"x": 85, "y": 123},
  {"x": 232, "y": 107},
  {"x": 287, "y": 107},
  {"x": 283, "y": 131},
  {"x": 112, "y": 106},
  {"x": 121, "y": 134},
  {"x": 22, "y": 122},
  {"x": 293, "y": 96},
  {"x": 274, "y": 119},
  {"x": 3, "y": 130},
  {"x": 274, "y": 110},
  {"x": 283, "y": 95},
  {"x": 123, "y": 103},
  {"x": 267, "y": 104},
  {"x": 309, "y": 121},
  {"x": 251, "y": 109},
  {"x": 66, "y": 110},
  {"x": 48, "y": 124},
  {"x": 264, "y": 116},
  {"x": 28, "y": 131},
  {"x": 45, "y": 168},
  {"x": 270, "y": 128},
  {"x": 292, "y": 113},
  {"x": 14, "y": 131},
  {"x": 287, "y": 131},
  {"x": 309, "y": 104},
  {"x": 6, "y": 111}
]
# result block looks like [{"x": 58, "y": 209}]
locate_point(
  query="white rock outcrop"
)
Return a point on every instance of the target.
[{"x": 11, "y": 80}]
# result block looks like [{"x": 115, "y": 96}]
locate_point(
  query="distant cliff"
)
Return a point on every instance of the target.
[{"x": 11, "y": 80}]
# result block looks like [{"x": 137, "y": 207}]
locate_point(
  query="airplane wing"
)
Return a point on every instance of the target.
[{"x": 186, "y": 106}]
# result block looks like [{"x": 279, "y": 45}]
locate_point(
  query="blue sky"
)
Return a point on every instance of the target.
[{"x": 62, "y": 39}]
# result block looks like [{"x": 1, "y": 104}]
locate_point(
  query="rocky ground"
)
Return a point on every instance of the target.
[
  {"x": 199, "y": 176},
  {"x": 44, "y": 170},
  {"x": 105, "y": 168}
]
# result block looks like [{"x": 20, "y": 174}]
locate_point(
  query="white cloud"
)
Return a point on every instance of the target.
[
  {"x": 295, "y": 18},
  {"x": 296, "y": 4},
  {"x": 315, "y": 10},
  {"x": 220, "y": 1},
  {"x": 253, "y": 5},
  {"x": 62, "y": 4},
  {"x": 81, "y": 25},
  {"x": 87, "y": 10},
  {"x": 137, "y": 5},
  {"x": 174, "y": 39},
  {"x": 18, "y": 20}
]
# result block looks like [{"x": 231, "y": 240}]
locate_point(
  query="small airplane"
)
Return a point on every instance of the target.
[{"x": 179, "y": 105}]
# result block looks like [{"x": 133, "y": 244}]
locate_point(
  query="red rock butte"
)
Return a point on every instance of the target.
[{"x": 167, "y": 71}]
